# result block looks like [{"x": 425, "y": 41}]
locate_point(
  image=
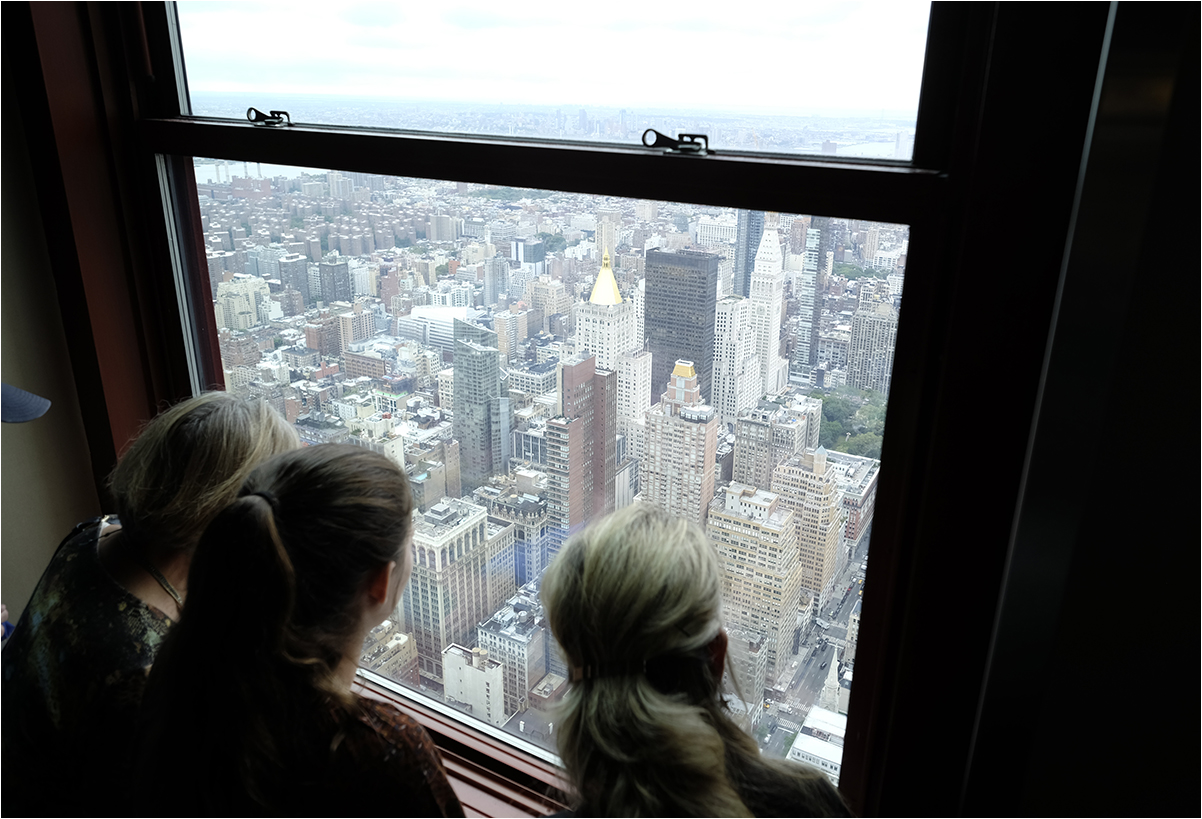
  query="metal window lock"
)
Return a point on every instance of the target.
[
  {"x": 271, "y": 119},
  {"x": 697, "y": 144}
]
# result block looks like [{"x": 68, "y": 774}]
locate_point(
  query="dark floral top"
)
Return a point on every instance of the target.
[
  {"x": 73, "y": 672},
  {"x": 385, "y": 764}
]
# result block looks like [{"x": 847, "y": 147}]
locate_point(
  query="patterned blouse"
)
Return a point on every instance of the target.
[{"x": 73, "y": 672}]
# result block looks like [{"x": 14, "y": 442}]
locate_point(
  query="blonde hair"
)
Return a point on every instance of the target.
[
  {"x": 636, "y": 600},
  {"x": 189, "y": 462}
]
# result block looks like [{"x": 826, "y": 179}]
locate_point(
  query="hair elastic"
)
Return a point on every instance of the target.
[{"x": 270, "y": 498}]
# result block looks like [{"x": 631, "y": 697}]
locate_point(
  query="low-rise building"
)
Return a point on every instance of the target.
[
  {"x": 474, "y": 682},
  {"x": 820, "y": 742}
]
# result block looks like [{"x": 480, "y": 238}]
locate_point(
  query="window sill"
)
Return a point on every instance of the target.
[{"x": 489, "y": 777}]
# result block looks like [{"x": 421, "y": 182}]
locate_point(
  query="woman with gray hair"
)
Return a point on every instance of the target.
[
  {"x": 635, "y": 603},
  {"x": 76, "y": 665}
]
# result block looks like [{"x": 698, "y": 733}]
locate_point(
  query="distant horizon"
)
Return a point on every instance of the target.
[{"x": 570, "y": 108}]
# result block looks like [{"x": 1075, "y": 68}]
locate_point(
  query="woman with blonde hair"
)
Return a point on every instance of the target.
[
  {"x": 249, "y": 708},
  {"x": 77, "y": 662},
  {"x": 635, "y": 604}
]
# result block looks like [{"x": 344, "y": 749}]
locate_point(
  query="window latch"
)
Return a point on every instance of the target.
[
  {"x": 272, "y": 119},
  {"x": 696, "y": 144}
]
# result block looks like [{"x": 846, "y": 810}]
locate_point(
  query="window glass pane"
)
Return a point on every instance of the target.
[
  {"x": 787, "y": 77},
  {"x": 535, "y": 359}
]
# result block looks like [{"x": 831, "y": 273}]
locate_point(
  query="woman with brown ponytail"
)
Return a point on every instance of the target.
[
  {"x": 249, "y": 708},
  {"x": 635, "y": 603}
]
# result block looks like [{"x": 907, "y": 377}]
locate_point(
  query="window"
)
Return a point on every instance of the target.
[
  {"x": 976, "y": 167},
  {"x": 462, "y": 68}
]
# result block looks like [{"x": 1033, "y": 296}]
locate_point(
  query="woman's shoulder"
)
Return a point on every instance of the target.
[
  {"x": 392, "y": 745},
  {"x": 86, "y": 613},
  {"x": 393, "y": 726}
]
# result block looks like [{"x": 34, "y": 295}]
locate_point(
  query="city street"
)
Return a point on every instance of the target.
[{"x": 783, "y": 719}]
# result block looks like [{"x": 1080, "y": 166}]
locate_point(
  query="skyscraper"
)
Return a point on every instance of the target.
[
  {"x": 747, "y": 243},
  {"x": 873, "y": 335},
  {"x": 807, "y": 487},
  {"x": 482, "y": 417},
  {"x": 634, "y": 399},
  {"x": 808, "y": 302},
  {"x": 580, "y": 450},
  {"x": 677, "y": 473},
  {"x": 294, "y": 275},
  {"x": 606, "y": 323},
  {"x": 609, "y": 222},
  {"x": 765, "y": 436},
  {"x": 756, "y": 539},
  {"x": 462, "y": 572},
  {"x": 767, "y": 295},
  {"x": 736, "y": 366},
  {"x": 335, "y": 276},
  {"x": 824, "y": 264},
  {"x": 682, "y": 291}
]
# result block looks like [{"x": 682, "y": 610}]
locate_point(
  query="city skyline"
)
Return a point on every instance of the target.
[{"x": 490, "y": 341}]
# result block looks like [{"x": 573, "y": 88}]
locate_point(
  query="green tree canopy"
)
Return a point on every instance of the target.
[
  {"x": 865, "y": 444},
  {"x": 553, "y": 242},
  {"x": 442, "y": 270},
  {"x": 830, "y": 434},
  {"x": 851, "y": 271},
  {"x": 838, "y": 410}
]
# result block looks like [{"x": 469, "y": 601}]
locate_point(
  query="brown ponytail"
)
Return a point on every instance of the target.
[{"x": 244, "y": 686}]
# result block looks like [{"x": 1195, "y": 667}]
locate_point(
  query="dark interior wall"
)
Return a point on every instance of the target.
[
  {"x": 46, "y": 477},
  {"x": 1091, "y": 705}
]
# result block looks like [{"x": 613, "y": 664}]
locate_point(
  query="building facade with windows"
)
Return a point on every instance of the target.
[{"x": 762, "y": 591}]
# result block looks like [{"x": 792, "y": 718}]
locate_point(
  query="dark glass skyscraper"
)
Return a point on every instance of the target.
[{"x": 682, "y": 295}]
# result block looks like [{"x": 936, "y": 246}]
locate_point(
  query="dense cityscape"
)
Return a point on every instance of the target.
[{"x": 535, "y": 359}]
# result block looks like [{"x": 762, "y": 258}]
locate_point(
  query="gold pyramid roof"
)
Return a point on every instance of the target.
[{"x": 605, "y": 291}]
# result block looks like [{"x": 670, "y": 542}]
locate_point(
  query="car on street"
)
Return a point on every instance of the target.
[{"x": 823, "y": 665}]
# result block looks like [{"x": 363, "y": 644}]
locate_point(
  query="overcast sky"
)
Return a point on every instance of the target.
[{"x": 792, "y": 57}]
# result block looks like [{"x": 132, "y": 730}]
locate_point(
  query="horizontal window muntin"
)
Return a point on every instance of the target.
[
  {"x": 657, "y": 68},
  {"x": 257, "y": 281},
  {"x": 881, "y": 192}
]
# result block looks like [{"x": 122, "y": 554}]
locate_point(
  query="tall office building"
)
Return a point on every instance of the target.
[
  {"x": 496, "y": 279},
  {"x": 808, "y": 302},
  {"x": 335, "y": 277},
  {"x": 677, "y": 471},
  {"x": 482, "y": 416},
  {"x": 462, "y": 572},
  {"x": 606, "y": 323},
  {"x": 294, "y": 275},
  {"x": 873, "y": 335},
  {"x": 747, "y": 242},
  {"x": 242, "y": 303},
  {"x": 756, "y": 539},
  {"x": 810, "y": 490},
  {"x": 765, "y": 436},
  {"x": 609, "y": 222},
  {"x": 511, "y": 329},
  {"x": 634, "y": 399},
  {"x": 682, "y": 293},
  {"x": 581, "y": 450},
  {"x": 871, "y": 241},
  {"x": 824, "y": 266},
  {"x": 767, "y": 292},
  {"x": 736, "y": 365}
]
